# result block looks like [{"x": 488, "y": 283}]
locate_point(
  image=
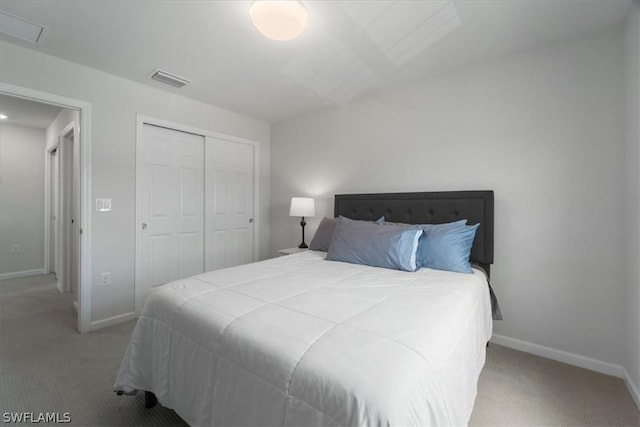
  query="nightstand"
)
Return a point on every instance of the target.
[{"x": 290, "y": 251}]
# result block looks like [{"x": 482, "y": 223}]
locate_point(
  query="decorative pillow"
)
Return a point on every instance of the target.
[
  {"x": 386, "y": 247},
  {"x": 322, "y": 238},
  {"x": 448, "y": 248}
]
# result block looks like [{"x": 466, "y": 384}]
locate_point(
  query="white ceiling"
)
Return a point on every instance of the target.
[
  {"x": 350, "y": 48},
  {"x": 27, "y": 113}
]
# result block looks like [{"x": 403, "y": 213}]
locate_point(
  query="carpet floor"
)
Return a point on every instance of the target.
[{"x": 47, "y": 367}]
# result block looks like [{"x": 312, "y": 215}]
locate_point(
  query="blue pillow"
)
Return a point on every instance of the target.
[
  {"x": 376, "y": 246},
  {"x": 421, "y": 254},
  {"x": 448, "y": 248}
]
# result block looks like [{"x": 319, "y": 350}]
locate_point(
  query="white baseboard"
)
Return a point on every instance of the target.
[
  {"x": 633, "y": 388},
  {"x": 559, "y": 355},
  {"x": 24, "y": 273},
  {"x": 75, "y": 305},
  {"x": 114, "y": 320}
]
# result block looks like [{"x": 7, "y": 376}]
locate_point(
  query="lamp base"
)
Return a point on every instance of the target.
[{"x": 303, "y": 245}]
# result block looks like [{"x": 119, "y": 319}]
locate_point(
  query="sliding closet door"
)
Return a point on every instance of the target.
[
  {"x": 229, "y": 203},
  {"x": 171, "y": 203}
]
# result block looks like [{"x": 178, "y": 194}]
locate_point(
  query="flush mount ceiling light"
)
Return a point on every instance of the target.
[
  {"x": 3, "y": 116},
  {"x": 279, "y": 20}
]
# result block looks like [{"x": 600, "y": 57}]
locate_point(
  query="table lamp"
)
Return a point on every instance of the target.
[{"x": 302, "y": 206}]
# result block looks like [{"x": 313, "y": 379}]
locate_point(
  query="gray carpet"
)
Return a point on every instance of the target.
[
  {"x": 45, "y": 366},
  {"x": 519, "y": 389}
]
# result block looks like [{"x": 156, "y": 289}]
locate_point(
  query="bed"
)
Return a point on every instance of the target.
[{"x": 298, "y": 340}]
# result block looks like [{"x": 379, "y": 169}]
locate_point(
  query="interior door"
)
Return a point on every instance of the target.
[
  {"x": 69, "y": 217},
  {"x": 62, "y": 196},
  {"x": 53, "y": 211},
  {"x": 171, "y": 208},
  {"x": 230, "y": 203}
]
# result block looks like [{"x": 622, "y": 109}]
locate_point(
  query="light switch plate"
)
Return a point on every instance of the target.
[
  {"x": 103, "y": 205},
  {"x": 105, "y": 279}
]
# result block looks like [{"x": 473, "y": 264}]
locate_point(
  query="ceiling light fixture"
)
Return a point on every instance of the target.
[
  {"x": 279, "y": 20},
  {"x": 3, "y": 116}
]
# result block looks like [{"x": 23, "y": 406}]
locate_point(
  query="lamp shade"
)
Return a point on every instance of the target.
[
  {"x": 279, "y": 20},
  {"x": 302, "y": 206}
]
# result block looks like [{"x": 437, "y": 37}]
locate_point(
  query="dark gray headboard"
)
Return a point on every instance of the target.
[{"x": 428, "y": 208}]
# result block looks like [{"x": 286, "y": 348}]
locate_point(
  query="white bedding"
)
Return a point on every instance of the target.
[{"x": 298, "y": 341}]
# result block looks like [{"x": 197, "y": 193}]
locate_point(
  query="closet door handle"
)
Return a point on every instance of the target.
[{"x": 144, "y": 225}]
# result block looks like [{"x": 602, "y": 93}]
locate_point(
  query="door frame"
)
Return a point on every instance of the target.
[
  {"x": 83, "y": 143},
  {"x": 141, "y": 120}
]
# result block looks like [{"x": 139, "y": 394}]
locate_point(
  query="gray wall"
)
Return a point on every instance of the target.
[
  {"x": 545, "y": 130},
  {"x": 632, "y": 362},
  {"x": 21, "y": 198},
  {"x": 115, "y": 103}
]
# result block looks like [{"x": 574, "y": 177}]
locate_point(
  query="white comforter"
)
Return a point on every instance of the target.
[{"x": 297, "y": 341}]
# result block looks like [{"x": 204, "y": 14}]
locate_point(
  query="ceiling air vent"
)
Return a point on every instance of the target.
[
  {"x": 168, "y": 78},
  {"x": 20, "y": 28}
]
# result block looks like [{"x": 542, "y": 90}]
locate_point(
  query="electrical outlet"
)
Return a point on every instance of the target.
[
  {"x": 105, "y": 279},
  {"x": 15, "y": 249}
]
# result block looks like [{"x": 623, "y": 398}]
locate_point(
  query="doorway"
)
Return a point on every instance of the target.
[{"x": 78, "y": 206}]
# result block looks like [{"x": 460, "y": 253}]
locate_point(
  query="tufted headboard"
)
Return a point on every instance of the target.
[{"x": 428, "y": 208}]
